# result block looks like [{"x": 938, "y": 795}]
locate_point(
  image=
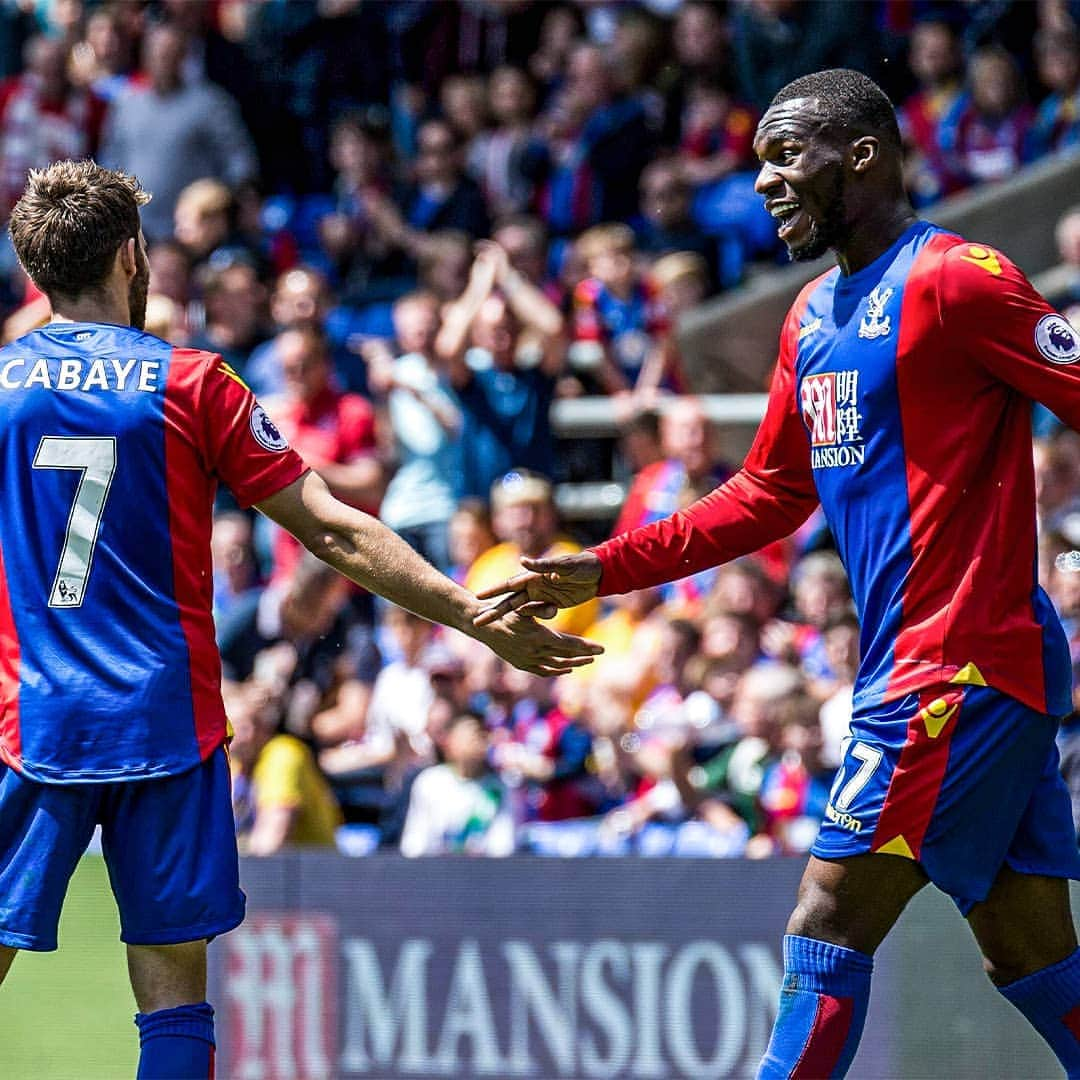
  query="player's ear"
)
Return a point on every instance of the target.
[
  {"x": 863, "y": 152},
  {"x": 127, "y": 258}
]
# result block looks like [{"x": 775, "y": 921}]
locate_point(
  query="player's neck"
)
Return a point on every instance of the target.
[
  {"x": 873, "y": 235},
  {"x": 92, "y": 309}
]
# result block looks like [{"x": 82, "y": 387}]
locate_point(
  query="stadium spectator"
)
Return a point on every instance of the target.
[
  {"x": 203, "y": 222},
  {"x": 591, "y": 150},
  {"x": 795, "y": 788},
  {"x": 43, "y": 117},
  {"x": 236, "y": 574},
  {"x": 717, "y": 132},
  {"x": 935, "y": 62},
  {"x": 280, "y": 799},
  {"x": 699, "y": 39},
  {"x": 469, "y": 535},
  {"x": 365, "y": 262},
  {"x": 167, "y": 320},
  {"x": 444, "y": 263},
  {"x": 774, "y": 41},
  {"x": 334, "y": 431},
  {"x": 169, "y": 132},
  {"x": 170, "y": 272},
  {"x": 463, "y": 104},
  {"x": 841, "y": 638},
  {"x": 563, "y": 26},
  {"x": 690, "y": 467},
  {"x": 1057, "y": 121},
  {"x": 390, "y": 736},
  {"x": 524, "y": 239},
  {"x": 301, "y": 300},
  {"x": 820, "y": 592},
  {"x": 683, "y": 281},
  {"x": 667, "y": 222},
  {"x": 547, "y": 759},
  {"x": 618, "y": 318},
  {"x": 985, "y": 136},
  {"x": 102, "y": 61},
  {"x": 506, "y": 380},
  {"x": 441, "y": 196},
  {"x": 727, "y": 785},
  {"x": 425, "y": 424},
  {"x": 526, "y": 523},
  {"x": 234, "y": 302},
  {"x": 495, "y": 155},
  {"x": 460, "y": 806},
  {"x": 638, "y": 51}
]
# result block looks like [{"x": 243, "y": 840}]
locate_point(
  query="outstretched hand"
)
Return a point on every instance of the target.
[
  {"x": 527, "y": 644},
  {"x": 545, "y": 586}
]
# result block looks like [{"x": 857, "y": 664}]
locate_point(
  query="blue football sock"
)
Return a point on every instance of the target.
[
  {"x": 822, "y": 1010},
  {"x": 176, "y": 1044},
  {"x": 1050, "y": 999}
]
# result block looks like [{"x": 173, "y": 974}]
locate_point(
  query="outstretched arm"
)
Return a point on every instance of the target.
[
  {"x": 367, "y": 552},
  {"x": 767, "y": 499}
]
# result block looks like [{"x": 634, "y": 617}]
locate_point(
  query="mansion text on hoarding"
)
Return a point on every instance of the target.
[{"x": 302, "y": 1004}]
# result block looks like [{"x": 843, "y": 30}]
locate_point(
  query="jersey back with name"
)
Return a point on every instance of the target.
[{"x": 111, "y": 446}]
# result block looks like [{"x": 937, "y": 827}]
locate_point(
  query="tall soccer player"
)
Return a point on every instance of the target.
[
  {"x": 111, "y": 446},
  {"x": 902, "y": 403}
]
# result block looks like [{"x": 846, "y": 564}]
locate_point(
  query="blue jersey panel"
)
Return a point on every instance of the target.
[
  {"x": 846, "y": 382},
  {"x": 84, "y": 527}
]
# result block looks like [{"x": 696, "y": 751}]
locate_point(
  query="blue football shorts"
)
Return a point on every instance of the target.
[
  {"x": 169, "y": 845},
  {"x": 962, "y": 779}
]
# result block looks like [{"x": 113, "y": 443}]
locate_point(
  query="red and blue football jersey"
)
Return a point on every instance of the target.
[
  {"x": 902, "y": 402},
  {"x": 112, "y": 444}
]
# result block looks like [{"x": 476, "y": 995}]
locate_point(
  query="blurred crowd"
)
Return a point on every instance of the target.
[{"x": 411, "y": 228}]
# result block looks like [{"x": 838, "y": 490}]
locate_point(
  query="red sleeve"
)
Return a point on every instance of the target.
[
  {"x": 241, "y": 445},
  {"x": 996, "y": 317},
  {"x": 587, "y": 325},
  {"x": 768, "y": 498}
]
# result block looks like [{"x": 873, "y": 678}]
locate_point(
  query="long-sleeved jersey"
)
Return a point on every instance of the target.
[
  {"x": 902, "y": 402},
  {"x": 111, "y": 447}
]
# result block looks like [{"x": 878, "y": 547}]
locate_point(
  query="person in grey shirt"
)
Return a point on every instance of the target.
[{"x": 171, "y": 132}]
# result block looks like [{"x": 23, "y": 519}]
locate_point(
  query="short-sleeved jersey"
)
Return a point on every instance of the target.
[
  {"x": 112, "y": 444},
  {"x": 902, "y": 401}
]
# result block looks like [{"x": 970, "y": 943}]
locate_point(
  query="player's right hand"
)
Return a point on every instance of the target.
[
  {"x": 545, "y": 586},
  {"x": 533, "y": 647}
]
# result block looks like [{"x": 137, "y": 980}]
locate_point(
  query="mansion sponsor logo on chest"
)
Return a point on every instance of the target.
[{"x": 830, "y": 410}]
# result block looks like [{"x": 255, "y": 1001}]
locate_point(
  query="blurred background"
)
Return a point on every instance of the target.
[{"x": 497, "y": 270}]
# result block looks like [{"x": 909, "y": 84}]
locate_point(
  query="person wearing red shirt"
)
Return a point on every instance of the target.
[
  {"x": 332, "y": 431},
  {"x": 43, "y": 118}
]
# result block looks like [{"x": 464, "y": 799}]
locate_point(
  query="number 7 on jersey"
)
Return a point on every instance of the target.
[{"x": 96, "y": 459}]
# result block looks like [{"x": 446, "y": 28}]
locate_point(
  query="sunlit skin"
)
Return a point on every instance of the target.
[{"x": 832, "y": 192}]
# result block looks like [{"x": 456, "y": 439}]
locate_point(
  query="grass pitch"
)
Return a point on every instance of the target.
[{"x": 67, "y": 1015}]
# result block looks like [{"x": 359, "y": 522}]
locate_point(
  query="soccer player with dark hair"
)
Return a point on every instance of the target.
[
  {"x": 111, "y": 446},
  {"x": 902, "y": 403}
]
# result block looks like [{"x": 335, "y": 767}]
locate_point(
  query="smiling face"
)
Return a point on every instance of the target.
[{"x": 802, "y": 177}]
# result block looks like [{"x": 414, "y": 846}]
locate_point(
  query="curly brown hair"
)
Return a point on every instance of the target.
[{"x": 70, "y": 222}]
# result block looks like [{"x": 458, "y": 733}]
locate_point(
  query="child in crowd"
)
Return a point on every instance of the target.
[{"x": 618, "y": 316}]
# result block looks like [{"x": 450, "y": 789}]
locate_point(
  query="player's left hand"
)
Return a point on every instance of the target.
[{"x": 522, "y": 641}]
